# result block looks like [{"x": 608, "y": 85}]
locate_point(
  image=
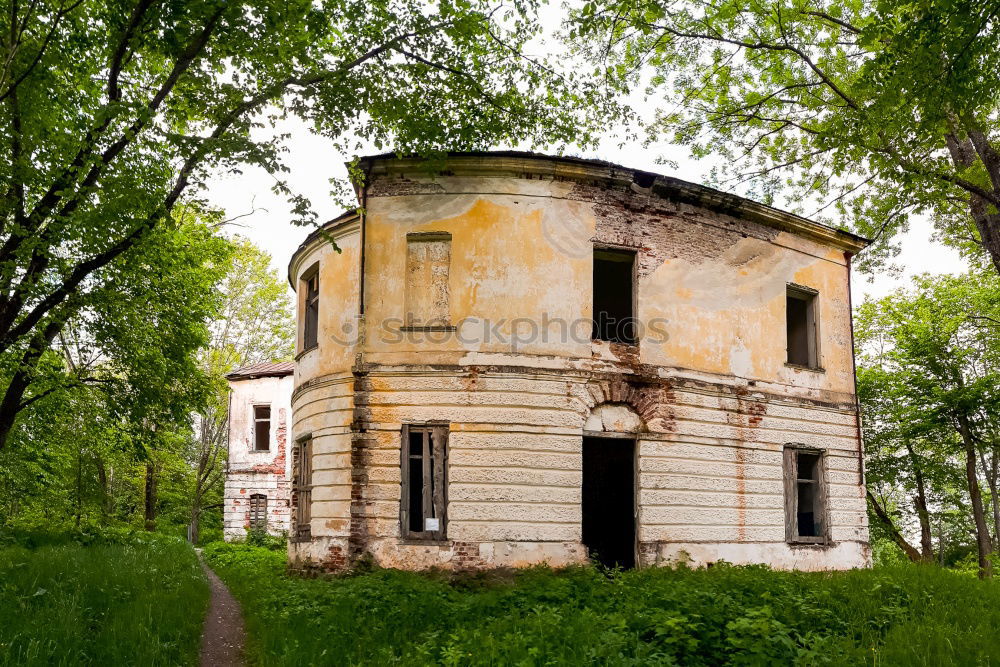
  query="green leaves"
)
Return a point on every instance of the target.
[
  {"x": 845, "y": 108},
  {"x": 113, "y": 113},
  {"x": 927, "y": 364},
  {"x": 723, "y": 615}
]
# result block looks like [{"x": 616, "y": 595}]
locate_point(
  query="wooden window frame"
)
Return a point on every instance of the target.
[
  {"x": 302, "y": 489},
  {"x": 435, "y": 498},
  {"x": 820, "y": 506},
  {"x": 310, "y": 308},
  {"x": 811, "y": 298},
  {"x": 260, "y": 521},
  {"x": 256, "y": 426}
]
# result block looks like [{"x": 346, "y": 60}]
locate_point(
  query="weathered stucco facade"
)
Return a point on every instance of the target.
[
  {"x": 258, "y": 482},
  {"x": 460, "y": 306}
]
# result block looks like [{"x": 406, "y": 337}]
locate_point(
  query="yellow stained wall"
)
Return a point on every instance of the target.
[
  {"x": 514, "y": 263},
  {"x": 323, "y": 403}
]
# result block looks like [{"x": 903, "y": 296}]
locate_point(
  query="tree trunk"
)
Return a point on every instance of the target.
[
  {"x": 195, "y": 517},
  {"x": 102, "y": 478},
  {"x": 11, "y": 403},
  {"x": 983, "y": 542},
  {"x": 195, "y": 514},
  {"x": 920, "y": 502},
  {"x": 965, "y": 152},
  {"x": 991, "y": 479},
  {"x": 150, "y": 496},
  {"x": 79, "y": 485},
  {"x": 897, "y": 537}
]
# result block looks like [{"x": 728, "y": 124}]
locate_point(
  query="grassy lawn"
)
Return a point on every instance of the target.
[
  {"x": 904, "y": 615},
  {"x": 129, "y": 604}
]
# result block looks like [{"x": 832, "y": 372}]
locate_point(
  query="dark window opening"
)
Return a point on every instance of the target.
[
  {"x": 614, "y": 296},
  {"x": 262, "y": 427},
  {"x": 310, "y": 328},
  {"x": 424, "y": 498},
  {"x": 609, "y": 500},
  {"x": 804, "y": 490},
  {"x": 800, "y": 309},
  {"x": 258, "y": 511},
  {"x": 302, "y": 489}
]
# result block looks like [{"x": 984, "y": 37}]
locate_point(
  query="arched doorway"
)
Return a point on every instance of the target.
[{"x": 609, "y": 484}]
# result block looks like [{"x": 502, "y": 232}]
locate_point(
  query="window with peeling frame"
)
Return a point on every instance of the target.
[
  {"x": 800, "y": 326},
  {"x": 805, "y": 496},
  {"x": 262, "y": 428},
  {"x": 258, "y": 511},
  {"x": 424, "y": 496},
  {"x": 614, "y": 296},
  {"x": 310, "y": 314},
  {"x": 302, "y": 488}
]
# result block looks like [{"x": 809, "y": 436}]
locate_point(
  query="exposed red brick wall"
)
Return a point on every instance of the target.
[{"x": 277, "y": 466}]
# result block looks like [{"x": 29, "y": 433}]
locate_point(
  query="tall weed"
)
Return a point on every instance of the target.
[
  {"x": 135, "y": 603},
  {"x": 724, "y": 615}
]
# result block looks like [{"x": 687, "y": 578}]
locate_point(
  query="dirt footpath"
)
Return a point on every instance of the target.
[{"x": 223, "y": 636}]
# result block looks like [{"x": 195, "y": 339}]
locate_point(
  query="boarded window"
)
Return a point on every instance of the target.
[
  {"x": 258, "y": 511},
  {"x": 424, "y": 497},
  {"x": 800, "y": 315},
  {"x": 262, "y": 427},
  {"x": 428, "y": 261},
  {"x": 614, "y": 279},
  {"x": 302, "y": 488},
  {"x": 310, "y": 314},
  {"x": 805, "y": 496}
]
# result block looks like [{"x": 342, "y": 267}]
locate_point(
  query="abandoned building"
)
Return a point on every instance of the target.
[
  {"x": 258, "y": 475},
  {"x": 513, "y": 359}
]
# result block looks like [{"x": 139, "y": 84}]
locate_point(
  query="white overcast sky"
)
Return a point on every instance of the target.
[{"x": 313, "y": 162}]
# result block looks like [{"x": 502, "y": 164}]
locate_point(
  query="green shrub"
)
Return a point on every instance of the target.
[
  {"x": 259, "y": 537},
  {"x": 723, "y": 615},
  {"x": 138, "y": 602},
  {"x": 41, "y": 535}
]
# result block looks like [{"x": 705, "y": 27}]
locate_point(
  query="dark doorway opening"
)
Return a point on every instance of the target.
[{"x": 609, "y": 500}]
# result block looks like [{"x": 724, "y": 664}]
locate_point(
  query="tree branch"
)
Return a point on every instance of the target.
[
  {"x": 897, "y": 537},
  {"x": 41, "y": 51},
  {"x": 843, "y": 24},
  {"x": 115, "y": 68},
  {"x": 764, "y": 46}
]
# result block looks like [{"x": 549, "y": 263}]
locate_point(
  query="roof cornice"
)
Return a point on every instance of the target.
[
  {"x": 343, "y": 225},
  {"x": 595, "y": 172}
]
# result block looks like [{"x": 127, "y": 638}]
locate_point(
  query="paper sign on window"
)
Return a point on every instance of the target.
[{"x": 431, "y": 524}]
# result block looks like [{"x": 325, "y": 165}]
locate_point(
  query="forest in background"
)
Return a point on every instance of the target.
[{"x": 136, "y": 437}]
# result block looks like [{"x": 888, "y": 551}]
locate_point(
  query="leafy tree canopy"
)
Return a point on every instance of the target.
[
  {"x": 113, "y": 112},
  {"x": 929, "y": 383},
  {"x": 862, "y": 112}
]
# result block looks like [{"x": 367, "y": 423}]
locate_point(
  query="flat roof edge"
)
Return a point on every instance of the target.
[{"x": 656, "y": 183}]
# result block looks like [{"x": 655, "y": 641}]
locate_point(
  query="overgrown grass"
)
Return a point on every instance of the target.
[
  {"x": 722, "y": 615},
  {"x": 136, "y": 603}
]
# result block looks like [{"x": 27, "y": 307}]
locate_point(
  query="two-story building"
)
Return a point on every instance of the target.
[
  {"x": 514, "y": 359},
  {"x": 257, "y": 492}
]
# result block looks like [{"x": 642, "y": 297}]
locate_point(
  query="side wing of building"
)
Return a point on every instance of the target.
[{"x": 257, "y": 486}]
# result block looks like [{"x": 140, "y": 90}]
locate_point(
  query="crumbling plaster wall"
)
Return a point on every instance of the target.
[
  {"x": 250, "y": 471},
  {"x": 717, "y": 400},
  {"x": 324, "y": 390},
  {"x": 713, "y": 283}
]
